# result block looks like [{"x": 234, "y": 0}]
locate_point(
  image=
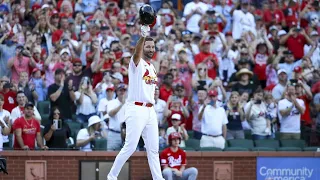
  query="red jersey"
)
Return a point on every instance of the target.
[
  {"x": 199, "y": 58},
  {"x": 9, "y": 100},
  {"x": 260, "y": 66},
  {"x": 296, "y": 44},
  {"x": 165, "y": 93},
  {"x": 306, "y": 115},
  {"x": 291, "y": 15},
  {"x": 122, "y": 27},
  {"x": 173, "y": 159},
  {"x": 276, "y": 16},
  {"x": 29, "y": 129}
]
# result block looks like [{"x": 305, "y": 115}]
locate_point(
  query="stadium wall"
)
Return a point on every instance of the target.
[{"x": 65, "y": 164}]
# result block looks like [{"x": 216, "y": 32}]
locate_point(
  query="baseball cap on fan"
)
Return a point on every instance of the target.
[
  {"x": 28, "y": 104},
  {"x": 122, "y": 86},
  {"x": 110, "y": 87},
  {"x": 118, "y": 76},
  {"x": 126, "y": 54},
  {"x": 176, "y": 117},
  {"x": 281, "y": 71},
  {"x": 213, "y": 93}
]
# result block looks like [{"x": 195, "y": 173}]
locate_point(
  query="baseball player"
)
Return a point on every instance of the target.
[
  {"x": 140, "y": 115},
  {"x": 173, "y": 161}
]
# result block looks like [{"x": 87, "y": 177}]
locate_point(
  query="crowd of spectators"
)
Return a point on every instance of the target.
[{"x": 224, "y": 67}]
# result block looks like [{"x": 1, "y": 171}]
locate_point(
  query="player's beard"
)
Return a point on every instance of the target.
[{"x": 149, "y": 54}]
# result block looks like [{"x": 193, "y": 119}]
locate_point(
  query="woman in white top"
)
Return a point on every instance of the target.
[
  {"x": 200, "y": 79},
  {"x": 5, "y": 126},
  {"x": 256, "y": 115},
  {"x": 86, "y": 136},
  {"x": 86, "y": 100}
]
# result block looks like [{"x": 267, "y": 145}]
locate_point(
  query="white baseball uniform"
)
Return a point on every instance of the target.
[{"x": 140, "y": 120}]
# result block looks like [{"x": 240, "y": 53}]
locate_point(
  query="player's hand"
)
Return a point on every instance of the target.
[{"x": 145, "y": 30}]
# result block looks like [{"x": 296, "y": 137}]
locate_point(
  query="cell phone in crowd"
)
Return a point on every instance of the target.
[
  {"x": 258, "y": 101},
  {"x": 86, "y": 81},
  {"x": 293, "y": 82},
  {"x": 57, "y": 124}
]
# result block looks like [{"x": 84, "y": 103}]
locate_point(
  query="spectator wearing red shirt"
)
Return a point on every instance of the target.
[
  {"x": 274, "y": 15},
  {"x": 122, "y": 22},
  {"x": 6, "y": 89},
  {"x": 208, "y": 58},
  {"x": 180, "y": 92},
  {"x": 306, "y": 121},
  {"x": 264, "y": 51},
  {"x": 166, "y": 88},
  {"x": 290, "y": 12},
  {"x": 173, "y": 161},
  {"x": 27, "y": 130},
  {"x": 295, "y": 41},
  {"x": 111, "y": 10},
  {"x": 125, "y": 60}
]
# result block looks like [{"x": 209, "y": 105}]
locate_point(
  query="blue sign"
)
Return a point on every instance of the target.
[{"x": 288, "y": 168}]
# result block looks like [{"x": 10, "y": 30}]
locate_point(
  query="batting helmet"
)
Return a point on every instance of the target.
[
  {"x": 174, "y": 135},
  {"x": 147, "y": 14}
]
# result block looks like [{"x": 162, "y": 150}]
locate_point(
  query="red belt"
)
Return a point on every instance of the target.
[{"x": 143, "y": 104}]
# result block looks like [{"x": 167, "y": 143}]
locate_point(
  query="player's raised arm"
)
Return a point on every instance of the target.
[{"x": 139, "y": 47}]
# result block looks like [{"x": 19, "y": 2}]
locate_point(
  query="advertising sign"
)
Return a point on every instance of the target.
[{"x": 288, "y": 168}]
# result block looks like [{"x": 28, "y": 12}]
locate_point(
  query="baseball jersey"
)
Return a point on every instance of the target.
[
  {"x": 29, "y": 130},
  {"x": 173, "y": 159},
  {"x": 142, "y": 82}
]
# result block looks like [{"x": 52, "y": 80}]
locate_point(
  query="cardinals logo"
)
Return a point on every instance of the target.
[{"x": 149, "y": 79}]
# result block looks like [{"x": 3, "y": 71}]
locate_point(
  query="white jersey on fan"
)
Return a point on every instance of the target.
[{"x": 142, "y": 82}]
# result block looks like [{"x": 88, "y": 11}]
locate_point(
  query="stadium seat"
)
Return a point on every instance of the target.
[
  {"x": 267, "y": 143},
  {"x": 45, "y": 119},
  {"x": 240, "y": 143},
  {"x": 263, "y": 149},
  {"x": 314, "y": 149},
  {"x": 84, "y": 125},
  {"x": 43, "y": 107},
  {"x": 277, "y": 135},
  {"x": 210, "y": 149},
  {"x": 247, "y": 134},
  {"x": 236, "y": 149},
  {"x": 289, "y": 149},
  {"x": 188, "y": 149},
  {"x": 74, "y": 127},
  {"x": 74, "y": 117},
  {"x": 190, "y": 134},
  {"x": 193, "y": 143},
  {"x": 100, "y": 144},
  {"x": 292, "y": 145}
]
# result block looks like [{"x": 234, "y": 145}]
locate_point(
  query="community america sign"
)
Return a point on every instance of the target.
[{"x": 288, "y": 168}]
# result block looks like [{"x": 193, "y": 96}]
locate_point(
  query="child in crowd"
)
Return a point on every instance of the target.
[
  {"x": 39, "y": 83},
  {"x": 162, "y": 138}
]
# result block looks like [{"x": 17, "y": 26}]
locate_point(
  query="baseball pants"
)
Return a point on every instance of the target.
[
  {"x": 187, "y": 174},
  {"x": 140, "y": 120}
]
